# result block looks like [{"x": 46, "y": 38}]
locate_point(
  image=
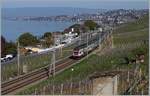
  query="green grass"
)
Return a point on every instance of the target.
[
  {"x": 131, "y": 37},
  {"x": 134, "y": 26}
]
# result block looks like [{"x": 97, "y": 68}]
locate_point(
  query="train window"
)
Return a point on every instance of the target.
[{"x": 75, "y": 53}]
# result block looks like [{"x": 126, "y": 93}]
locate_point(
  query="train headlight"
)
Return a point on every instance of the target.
[{"x": 72, "y": 69}]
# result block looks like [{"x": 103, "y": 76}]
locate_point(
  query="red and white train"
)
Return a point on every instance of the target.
[{"x": 83, "y": 49}]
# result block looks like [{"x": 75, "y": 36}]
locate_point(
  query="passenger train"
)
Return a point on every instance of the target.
[{"x": 83, "y": 49}]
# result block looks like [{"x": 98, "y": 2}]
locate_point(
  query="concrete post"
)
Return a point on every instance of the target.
[{"x": 25, "y": 69}]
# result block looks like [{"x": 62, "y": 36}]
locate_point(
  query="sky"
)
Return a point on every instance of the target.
[{"x": 93, "y": 4}]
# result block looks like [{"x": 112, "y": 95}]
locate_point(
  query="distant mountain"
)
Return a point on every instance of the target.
[{"x": 46, "y": 11}]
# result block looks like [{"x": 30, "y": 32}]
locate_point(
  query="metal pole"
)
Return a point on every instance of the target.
[
  {"x": 61, "y": 46},
  {"x": 99, "y": 45},
  {"x": 71, "y": 81},
  {"x": 112, "y": 40},
  {"x": 87, "y": 45},
  {"x": 54, "y": 58},
  {"x": 61, "y": 51},
  {"x": 79, "y": 35},
  {"x": 53, "y": 62},
  {"x": 99, "y": 36},
  {"x": 79, "y": 38},
  {"x": 18, "y": 57}
]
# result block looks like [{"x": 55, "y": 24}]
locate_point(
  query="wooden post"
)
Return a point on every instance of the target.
[
  {"x": 128, "y": 77},
  {"x": 118, "y": 83},
  {"x": 61, "y": 91},
  {"x": 142, "y": 92},
  {"x": 35, "y": 92},
  {"x": 137, "y": 90},
  {"x": 79, "y": 87},
  {"x": 71, "y": 88},
  {"x": 122, "y": 82},
  {"x": 53, "y": 89},
  {"x": 92, "y": 90},
  {"x": 49, "y": 88},
  {"x": 140, "y": 74},
  {"x": 85, "y": 85},
  {"x": 44, "y": 91}
]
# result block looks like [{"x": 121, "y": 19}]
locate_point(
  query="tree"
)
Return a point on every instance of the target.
[
  {"x": 75, "y": 26},
  {"x": 7, "y": 47},
  {"x": 3, "y": 45},
  {"x": 47, "y": 35},
  {"x": 48, "y": 39},
  {"x": 90, "y": 24},
  {"x": 27, "y": 39},
  {"x": 10, "y": 48},
  {"x": 84, "y": 29}
]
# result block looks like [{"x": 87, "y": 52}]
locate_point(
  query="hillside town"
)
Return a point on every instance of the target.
[{"x": 110, "y": 17}]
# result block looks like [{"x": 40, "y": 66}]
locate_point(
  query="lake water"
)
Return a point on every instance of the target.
[{"x": 11, "y": 30}]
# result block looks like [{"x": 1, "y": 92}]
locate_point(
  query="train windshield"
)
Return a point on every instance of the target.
[{"x": 76, "y": 52}]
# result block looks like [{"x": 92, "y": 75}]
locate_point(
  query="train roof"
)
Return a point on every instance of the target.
[
  {"x": 85, "y": 44},
  {"x": 93, "y": 40}
]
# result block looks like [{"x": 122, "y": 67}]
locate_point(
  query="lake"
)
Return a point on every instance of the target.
[{"x": 11, "y": 30}]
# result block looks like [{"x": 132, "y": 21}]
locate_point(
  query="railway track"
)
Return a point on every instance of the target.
[{"x": 22, "y": 81}]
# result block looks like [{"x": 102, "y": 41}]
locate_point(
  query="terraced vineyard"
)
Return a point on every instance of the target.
[{"x": 134, "y": 37}]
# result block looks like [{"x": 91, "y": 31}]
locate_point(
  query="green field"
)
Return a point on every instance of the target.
[{"x": 129, "y": 39}]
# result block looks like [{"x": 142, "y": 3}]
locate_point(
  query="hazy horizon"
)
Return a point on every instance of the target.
[
  {"x": 74, "y": 8},
  {"x": 90, "y": 4}
]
